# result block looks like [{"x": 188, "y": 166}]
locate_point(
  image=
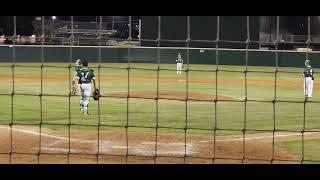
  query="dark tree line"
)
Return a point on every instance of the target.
[{"x": 23, "y": 24}]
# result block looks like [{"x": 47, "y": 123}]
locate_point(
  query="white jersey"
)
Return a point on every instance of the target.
[
  {"x": 179, "y": 64},
  {"x": 179, "y": 60}
]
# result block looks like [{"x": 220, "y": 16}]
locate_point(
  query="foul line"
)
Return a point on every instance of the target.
[
  {"x": 261, "y": 137},
  {"x": 221, "y": 140},
  {"x": 266, "y": 137},
  {"x": 35, "y": 133}
]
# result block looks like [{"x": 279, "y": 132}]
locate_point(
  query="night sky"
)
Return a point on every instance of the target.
[
  {"x": 24, "y": 25},
  {"x": 296, "y": 24}
]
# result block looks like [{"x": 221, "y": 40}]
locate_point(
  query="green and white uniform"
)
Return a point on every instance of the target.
[
  {"x": 85, "y": 76},
  {"x": 77, "y": 68},
  {"x": 308, "y": 81},
  {"x": 179, "y": 62}
]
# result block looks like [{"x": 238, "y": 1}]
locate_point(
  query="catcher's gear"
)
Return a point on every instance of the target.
[
  {"x": 73, "y": 91},
  {"x": 96, "y": 94}
]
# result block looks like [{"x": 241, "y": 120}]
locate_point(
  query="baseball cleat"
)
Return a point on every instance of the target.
[{"x": 85, "y": 113}]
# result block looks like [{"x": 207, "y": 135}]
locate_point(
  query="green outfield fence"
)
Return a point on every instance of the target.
[
  {"x": 113, "y": 54},
  {"x": 157, "y": 56}
]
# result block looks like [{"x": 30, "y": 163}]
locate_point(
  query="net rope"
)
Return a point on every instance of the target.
[{"x": 215, "y": 102}]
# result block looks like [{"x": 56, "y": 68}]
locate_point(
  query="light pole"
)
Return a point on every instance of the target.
[
  {"x": 53, "y": 28},
  {"x": 113, "y": 22},
  {"x": 140, "y": 31}
]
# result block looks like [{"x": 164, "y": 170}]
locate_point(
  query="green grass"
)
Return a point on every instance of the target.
[
  {"x": 171, "y": 113},
  {"x": 311, "y": 149}
]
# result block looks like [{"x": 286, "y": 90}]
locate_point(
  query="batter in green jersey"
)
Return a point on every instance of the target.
[
  {"x": 308, "y": 80},
  {"x": 84, "y": 76}
]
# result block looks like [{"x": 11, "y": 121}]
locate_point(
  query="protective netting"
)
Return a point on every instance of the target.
[{"x": 215, "y": 138}]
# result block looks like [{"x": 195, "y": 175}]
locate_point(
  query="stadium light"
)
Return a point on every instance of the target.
[{"x": 53, "y": 19}]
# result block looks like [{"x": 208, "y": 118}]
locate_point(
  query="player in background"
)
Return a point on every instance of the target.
[
  {"x": 308, "y": 80},
  {"x": 179, "y": 62},
  {"x": 84, "y": 76}
]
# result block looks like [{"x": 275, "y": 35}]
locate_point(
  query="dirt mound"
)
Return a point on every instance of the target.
[
  {"x": 227, "y": 81},
  {"x": 174, "y": 95}
]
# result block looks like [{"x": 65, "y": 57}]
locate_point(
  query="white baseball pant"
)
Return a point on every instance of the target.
[
  {"x": 308, "y": 87},
  {"x": 85, "y": 96},
  {"x": 179, "y": 68}
]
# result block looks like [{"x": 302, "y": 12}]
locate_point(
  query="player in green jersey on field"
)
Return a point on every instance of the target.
[
  {"x": 308, "y": 80},
  {"x": 84, "y": 76},
  {"x": 78, "y": 66}
]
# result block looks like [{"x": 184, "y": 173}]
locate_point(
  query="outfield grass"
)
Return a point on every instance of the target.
[{"x": 171, "y": 113}]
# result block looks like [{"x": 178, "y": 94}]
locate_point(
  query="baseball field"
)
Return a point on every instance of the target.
[{"x": 140, "y": 130}]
